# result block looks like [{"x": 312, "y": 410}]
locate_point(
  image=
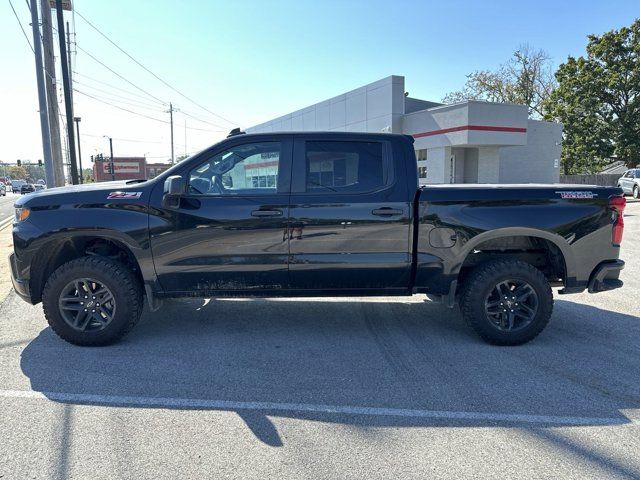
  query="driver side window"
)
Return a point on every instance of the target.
[{"x": 247, "y": 169}]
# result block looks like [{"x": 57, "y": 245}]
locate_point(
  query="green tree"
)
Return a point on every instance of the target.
[
  {"x": 17, "y": 173},
  {"x": 34, "y": 172},
  {"x": 87, "y": 175},
  {"x": 598, "y": 101},
  {"x": 526, "y": 79}
]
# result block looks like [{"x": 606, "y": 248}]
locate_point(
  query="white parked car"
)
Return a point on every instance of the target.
[{"x": 630, "y": 182}]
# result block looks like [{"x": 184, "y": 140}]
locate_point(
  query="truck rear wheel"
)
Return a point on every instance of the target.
[
  {"x": 507, "y": 302},
  {"x": 92, "y": 301}
]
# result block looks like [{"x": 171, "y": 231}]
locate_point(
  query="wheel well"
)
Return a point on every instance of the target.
[
  {"x": 539, "y": 252},
  {"x": 57, "y": 253}
]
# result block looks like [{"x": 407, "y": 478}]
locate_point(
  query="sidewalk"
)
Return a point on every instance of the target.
[{"x": 6, "y": 245}]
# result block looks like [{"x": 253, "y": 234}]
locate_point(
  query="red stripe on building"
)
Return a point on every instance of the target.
[
  {"x": 483, "y": 128},
  {"x": 261, "y": 164}
]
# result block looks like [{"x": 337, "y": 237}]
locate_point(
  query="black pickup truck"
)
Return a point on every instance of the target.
[{"x": 311, "y": 214}]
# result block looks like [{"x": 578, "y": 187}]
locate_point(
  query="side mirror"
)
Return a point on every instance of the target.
[{"x": 174, "y": 187}]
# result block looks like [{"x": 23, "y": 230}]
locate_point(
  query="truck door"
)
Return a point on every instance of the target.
[
  {"x": 228, "y": 232},
  {"x": 350, "y": 216}
]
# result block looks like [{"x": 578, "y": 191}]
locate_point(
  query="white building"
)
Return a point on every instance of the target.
[{"x": 467, "y": 142}]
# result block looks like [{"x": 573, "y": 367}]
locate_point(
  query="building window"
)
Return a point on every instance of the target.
[
  {"x": 421, "y": 154},
  {"x": 422, "y": 172}
]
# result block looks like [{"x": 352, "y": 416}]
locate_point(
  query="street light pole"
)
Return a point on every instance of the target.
[
  {"x": 171, "y": 118},
  {"x": 77, "y": 120}
]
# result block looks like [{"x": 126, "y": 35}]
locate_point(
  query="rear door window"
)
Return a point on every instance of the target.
[{"x": 346, "y": 166}]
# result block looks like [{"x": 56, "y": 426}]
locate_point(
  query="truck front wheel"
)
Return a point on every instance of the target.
[
  {"x": 92, "y": 301},
  {"x": 507, "y": 302}
]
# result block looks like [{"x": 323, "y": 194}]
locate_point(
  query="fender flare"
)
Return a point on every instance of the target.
[
  {"x": 45, "y": 246},
  {"x": 554, "y": 238}
]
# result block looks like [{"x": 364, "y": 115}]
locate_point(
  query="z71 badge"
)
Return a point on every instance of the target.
[
  {"x": 124, "y": 195},
  {"x": 577, "y": 194}
]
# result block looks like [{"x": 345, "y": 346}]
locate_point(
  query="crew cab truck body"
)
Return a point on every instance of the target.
[{"x": 311, "y": 214}]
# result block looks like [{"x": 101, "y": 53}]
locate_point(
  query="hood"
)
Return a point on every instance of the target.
[{"x": 69, "y": 192}]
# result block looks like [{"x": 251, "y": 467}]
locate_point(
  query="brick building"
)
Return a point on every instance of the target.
[
  {"x": 152, "y": 170},
  {"x": 125, "y": 168}
]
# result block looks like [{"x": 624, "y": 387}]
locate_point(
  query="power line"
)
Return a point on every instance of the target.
[
  {"x": 118, "y": 107},
  {"x": 137, "y": 113},
  {"x": 118, "y": 75},
  {"x": 165, "y": 156},
  {"x": 21, "y": 27},
  {"x": 136, "y": 103},
  {"x": 199, "y": 119},
  {"x": 129, "y": 92},
  {"x": 131, "y": 140},
  {"x": 149, "y": 71}
]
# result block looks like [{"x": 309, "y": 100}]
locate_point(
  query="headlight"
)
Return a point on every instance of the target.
[{"x": 22, "y": 214}]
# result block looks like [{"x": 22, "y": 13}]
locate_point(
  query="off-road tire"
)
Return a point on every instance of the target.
[
  {"x": 120, "y": 280},
  {"x": 481, "y": 282}
]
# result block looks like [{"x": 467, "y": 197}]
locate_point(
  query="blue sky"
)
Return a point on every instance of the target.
[{"x": 252, "y": 61}]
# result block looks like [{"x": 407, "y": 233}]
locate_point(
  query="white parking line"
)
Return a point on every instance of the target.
[
  {"x": 6, "y": 221},
  {"x": 190, "y": 403}
]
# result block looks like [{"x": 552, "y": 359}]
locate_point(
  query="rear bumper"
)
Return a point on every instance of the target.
[
  {"x": 20, "y": 285},
  {"x": 605, "y": 276}
]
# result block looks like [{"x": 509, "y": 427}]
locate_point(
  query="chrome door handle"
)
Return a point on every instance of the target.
[
  {"x": 387, "y": 212},
  {"x": 266, "y": 213}
]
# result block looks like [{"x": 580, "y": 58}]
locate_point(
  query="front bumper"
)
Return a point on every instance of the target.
[
  {"x": 605, "y": 276},
  {"x": 20, "y": 285}
]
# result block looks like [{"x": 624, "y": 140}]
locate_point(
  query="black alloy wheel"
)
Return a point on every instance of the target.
[
  {"x": 511, "y": 305},
  {"x": 87, "y": 305}
]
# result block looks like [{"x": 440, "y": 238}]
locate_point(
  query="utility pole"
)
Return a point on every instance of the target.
[
  {"x": 67, "y": 93},
  {"x": 171, "y": 121},
  {"x": 42, "y": 100},
  {"x": 52, "y": 96},
  {"x": 70, "y": 69},
  {"x": 77, "y": 120},
  {"x": 113, "y": 167}
]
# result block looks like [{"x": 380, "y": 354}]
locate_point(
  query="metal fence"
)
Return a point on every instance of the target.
[{"x": 603, "y": 179}]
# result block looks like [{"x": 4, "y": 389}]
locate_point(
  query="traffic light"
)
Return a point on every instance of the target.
[
  {"x": 110, "y": 168},
  {"x": 39, "y": 162},
  {"x": 19, "y": 162},
  {"x": 91, "y": 158}
]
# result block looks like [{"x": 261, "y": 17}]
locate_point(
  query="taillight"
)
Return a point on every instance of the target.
[{"x": 617, "y": 204}]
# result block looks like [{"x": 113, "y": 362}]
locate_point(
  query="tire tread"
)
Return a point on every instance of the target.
[
  {"x": 113, "y": 269},
  {"x": 480, "y": 277}
]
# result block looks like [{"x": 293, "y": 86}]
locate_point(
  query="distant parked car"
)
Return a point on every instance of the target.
[
  {"x": 3, "y": 189},
  {"x": 39, "y": 186},
  {"x": 27, "y": 188},
  {"x": 630, "y": 182}
]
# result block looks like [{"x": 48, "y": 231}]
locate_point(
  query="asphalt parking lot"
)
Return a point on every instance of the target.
[{"x": 327, "y": 388}]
